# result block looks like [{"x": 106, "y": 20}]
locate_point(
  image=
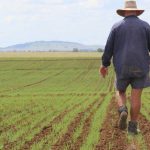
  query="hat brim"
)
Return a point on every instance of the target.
[{"x": 121, "y": 12}]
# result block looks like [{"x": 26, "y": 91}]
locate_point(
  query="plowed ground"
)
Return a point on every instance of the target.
[{"x": 63, "y": 105}]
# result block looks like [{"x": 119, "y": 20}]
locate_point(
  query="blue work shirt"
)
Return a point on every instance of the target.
[{"x": 129, "y": 45}]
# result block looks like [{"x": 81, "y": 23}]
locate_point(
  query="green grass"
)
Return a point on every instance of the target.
[
  {"x": 98, "y": 119},
  {"x": 33, "y": 91}
]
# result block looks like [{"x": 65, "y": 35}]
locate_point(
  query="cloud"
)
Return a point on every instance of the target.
[
  {"x": 34, "y": 10},
  {"x": 91, "y": 3},
  {"x": 66, "y": 19},
  {"x": 8, "y": 19},
  {"x": 87, "y": 21},
  {"x": 23, "y": 6}
]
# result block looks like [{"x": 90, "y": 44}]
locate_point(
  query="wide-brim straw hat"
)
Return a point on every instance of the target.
[{"x": 130, "y": 5}]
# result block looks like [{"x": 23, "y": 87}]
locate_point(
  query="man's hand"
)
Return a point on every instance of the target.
[{"x": 103, "y": 71}]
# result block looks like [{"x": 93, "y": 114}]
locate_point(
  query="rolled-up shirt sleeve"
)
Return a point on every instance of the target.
[{"x": 108, "y": 51}]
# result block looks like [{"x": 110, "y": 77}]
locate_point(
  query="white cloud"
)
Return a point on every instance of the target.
[
  {"x": 87, "y": 21},
  {"x": 23, "y": 6},
  {"x": 91, "y": 3},
  {"x": 34, "y": 10},
  {"x": 8, "y": 19},
  {"x": 74, "y": 20}
]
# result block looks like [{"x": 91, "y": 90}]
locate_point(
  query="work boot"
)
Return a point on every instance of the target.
[
  {"x": 123, "y": 114},
  {"x": 133, "y": 128}
]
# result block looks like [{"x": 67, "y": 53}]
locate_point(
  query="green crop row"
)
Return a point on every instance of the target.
[{"x": 33, "y": 92}]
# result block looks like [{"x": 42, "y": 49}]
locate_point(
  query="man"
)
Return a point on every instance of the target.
[{"x": 129, "y": 44}]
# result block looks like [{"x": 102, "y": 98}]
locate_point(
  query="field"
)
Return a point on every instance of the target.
[{"x": 53, "y": 102}]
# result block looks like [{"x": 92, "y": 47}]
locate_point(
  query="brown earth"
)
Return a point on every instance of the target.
[
  {"x": 144, "y": 125},
  {"x": 111, "y": 137},
  {"x": 85, "y": 130},
  {"x": 62, "y": 94},
  {"x": 48, "y": 129},
  {"x": 44, "y": 132},
  {"x": 112, "y": 84},
  {"x": 66, "y": 138},
  {"x": 27, "y": 112}
]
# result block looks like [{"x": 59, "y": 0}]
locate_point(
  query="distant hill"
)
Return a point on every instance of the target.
[{"x": 51, "y": 46}]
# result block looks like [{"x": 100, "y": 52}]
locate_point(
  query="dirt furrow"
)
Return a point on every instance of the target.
[
  {"x": 144, "y": 125},
  {"x": 111, "y": 84},
  {"x": 44, "y": 132},
  {"x": 85, "y": 130},
  {"x": 13, "y": 127},
  {"x": 18, "y": 122},
  {"x": 110, "y": 136},
  {"x": 66, "y": 137}
]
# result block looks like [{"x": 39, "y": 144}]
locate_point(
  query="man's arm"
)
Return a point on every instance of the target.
[
  {"x": 149, "y": 43},
  {"x": 148, "y": 37},
  {"x": 108, "y": 52}
]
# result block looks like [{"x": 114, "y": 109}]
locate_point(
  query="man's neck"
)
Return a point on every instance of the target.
[{"x": 130, "y": 14}]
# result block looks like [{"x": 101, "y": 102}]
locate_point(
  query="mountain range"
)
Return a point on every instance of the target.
[{"x": 51, "y": 46}]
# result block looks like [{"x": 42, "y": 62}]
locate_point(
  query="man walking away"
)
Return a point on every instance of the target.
[{"x": 129, "y": 44}]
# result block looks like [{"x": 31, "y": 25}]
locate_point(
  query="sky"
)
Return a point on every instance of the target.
[{"x": 84, "y": 21}]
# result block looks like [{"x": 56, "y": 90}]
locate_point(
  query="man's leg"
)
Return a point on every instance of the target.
[
  {"x": 135, "y": 110},
  {"x": 121, "y": 98},
  {"x": 135, "y": 103},
  {"x": 122, "y": 109},
  {"x": 121, "y": 86}
]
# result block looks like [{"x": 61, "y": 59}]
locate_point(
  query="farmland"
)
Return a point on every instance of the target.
[{"x": 60, "y": 102}]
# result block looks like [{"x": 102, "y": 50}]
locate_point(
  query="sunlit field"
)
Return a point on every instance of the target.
[
  {"x": 58, "y": 101},
  {"x": 49, "y": 54}
]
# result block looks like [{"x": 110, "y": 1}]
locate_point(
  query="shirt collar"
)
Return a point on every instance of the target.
[{"x": 131, "y": 16}]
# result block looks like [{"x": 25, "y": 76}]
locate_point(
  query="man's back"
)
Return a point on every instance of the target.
[{"x": 129, "y": 43}]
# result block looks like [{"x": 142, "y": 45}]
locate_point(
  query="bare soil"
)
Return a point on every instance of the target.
[
  {"x": 144, "y": 125},
  {"x": 43, "y": 133},
  {"x": 66, "y": 138},
  {"x": 85, "y": 130},
  {"x": 111, "y": 137}
]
